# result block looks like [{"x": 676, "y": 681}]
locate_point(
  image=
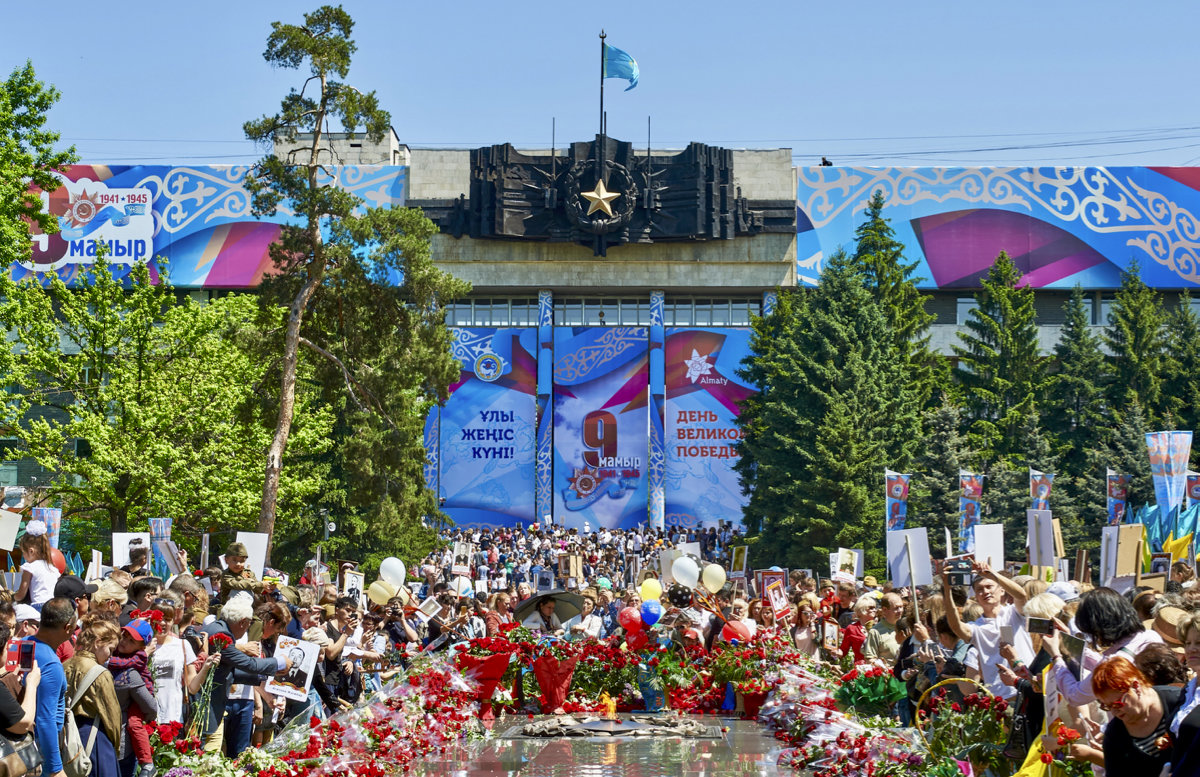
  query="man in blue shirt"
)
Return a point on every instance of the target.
[{"x": 58, "y": 624}]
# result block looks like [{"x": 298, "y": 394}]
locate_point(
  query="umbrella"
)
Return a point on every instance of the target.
[{"x": 567, "y": 604}]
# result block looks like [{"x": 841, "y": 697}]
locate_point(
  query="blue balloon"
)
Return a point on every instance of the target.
[
  {"x": 776, "y": 569},
  {"x": 651, "y": 612}
]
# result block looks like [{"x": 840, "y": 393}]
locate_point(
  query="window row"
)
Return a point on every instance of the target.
[{"x": 604, "y": 311}]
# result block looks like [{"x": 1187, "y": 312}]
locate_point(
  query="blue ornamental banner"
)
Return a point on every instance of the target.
[
  {"x": 896, "y": 491},
  {"x": 601, "y": 432},
  {"x": 1040, "y": 484},
  {"x": 1169, "y": 452},
  {"x": 703, "y": 395},
  {"x": 1118, "y": 497},
  {"x": 969, "y": 503},
  {"x": 485, "y": 431}
]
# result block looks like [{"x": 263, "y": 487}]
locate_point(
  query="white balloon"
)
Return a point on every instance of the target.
[
  {"x": 462, "y": 585},
  {"x": 392, "y": 570},
  {"x": 752, "y": 626},
  {"x": 714, "y": 577},
  {"x": 685, "y": 572}
]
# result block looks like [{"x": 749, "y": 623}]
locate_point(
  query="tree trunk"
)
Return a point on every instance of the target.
[
  {"x": 314, "y": 274},
  {"x": 287, "y": 400}
]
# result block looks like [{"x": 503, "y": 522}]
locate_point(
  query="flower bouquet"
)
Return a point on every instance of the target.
[
  {"x": 869, "y": 690},
  {"x": 484, "y": 660},
  {"x": 553, "y": 668},
  {"x": 973, "y": 728}
]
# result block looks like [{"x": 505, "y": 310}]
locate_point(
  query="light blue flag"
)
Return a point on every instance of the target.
[{"x": 618, "y": 64}]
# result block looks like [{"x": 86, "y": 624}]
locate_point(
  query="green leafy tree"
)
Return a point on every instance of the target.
[
  {"x": 892, "y": 280},
  {"x": 1137, "y": 343},
  {"x": 140, "y": 406},
  {"x": 934, "y": 491},
  {"x": 819, "y": 434},
  {"x": 1075, "y": 412},
  {"x": 1181, "y": 387},
  {"x": 999, "y": 368},
  {"x": 364, "y": 299},
  {"x": 27, "y": 157}
]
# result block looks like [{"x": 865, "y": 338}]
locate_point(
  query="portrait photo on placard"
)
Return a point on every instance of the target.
[{"x": 294, "y": 683}]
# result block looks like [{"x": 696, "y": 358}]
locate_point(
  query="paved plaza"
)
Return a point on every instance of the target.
[{"x": 744, "y": 749}]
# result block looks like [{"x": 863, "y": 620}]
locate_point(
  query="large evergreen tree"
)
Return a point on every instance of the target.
[
  {"x": 1137, "y": 344},
  {"x": 934, "y": 491},
  {"x": 892, "y": 281},
  {"x": 1181, "y": 388},
  {"x": 825, "y": 424},
  {"x": 999, "y": 368},
  {"x": 1075, "y": 413},
  {"x": 382, "y": 346},
  {"x": 1126, "y": 453}
]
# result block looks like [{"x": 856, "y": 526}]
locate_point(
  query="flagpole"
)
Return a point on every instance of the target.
[{"x": 602, "y": 37}]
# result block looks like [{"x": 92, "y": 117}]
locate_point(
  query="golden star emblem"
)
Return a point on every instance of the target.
[{"x": 601, "y": 199}]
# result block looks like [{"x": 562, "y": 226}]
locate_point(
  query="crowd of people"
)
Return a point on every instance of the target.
[{"x": 123, "y": 654}]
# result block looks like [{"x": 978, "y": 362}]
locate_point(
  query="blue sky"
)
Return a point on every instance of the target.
[{"x": 862, "y": 83}]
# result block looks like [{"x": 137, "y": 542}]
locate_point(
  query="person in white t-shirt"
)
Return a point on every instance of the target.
[
  {"x": 999, "y": 623},
  {"x": 38, "y": 576},
  {"x": 174, "y": 665}
]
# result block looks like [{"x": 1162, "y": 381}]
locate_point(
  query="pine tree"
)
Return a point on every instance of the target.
[
  {"x": 1075, "y": 414},
  {"x": 999, "y": 368},
  {"x": 1006, "y": 494},
  {"x": 934, "y": 491},
  {"x": 1126, "y": 453},
  {"x": 829, "y": 418},
  {"x": 880, "y": 257},
  {"x": 1181, "y": 387},
  {"x": 1136, "y": 339}
]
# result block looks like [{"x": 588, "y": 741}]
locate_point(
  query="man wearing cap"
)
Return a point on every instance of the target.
[
  {"x": 237, "y": 577},
  {"x": 71, "y": 587},
  {"x": 28, "y": 621}
]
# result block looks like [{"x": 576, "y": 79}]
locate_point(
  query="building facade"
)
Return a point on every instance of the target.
[{"x": 600, "y": 350}]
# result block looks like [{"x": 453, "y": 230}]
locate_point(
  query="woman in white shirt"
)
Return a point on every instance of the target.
[{"x": 585, "y": 624}]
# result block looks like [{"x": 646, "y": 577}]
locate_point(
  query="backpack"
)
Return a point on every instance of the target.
[{"x": 76, "y": 759}]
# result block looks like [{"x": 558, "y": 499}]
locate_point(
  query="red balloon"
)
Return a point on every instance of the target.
[
  {"x": 636, "y": 640},
  {"x": 735, "y": 630},
  {"x": 630, "y": 619},
  {"x": 58, "y": 560}
]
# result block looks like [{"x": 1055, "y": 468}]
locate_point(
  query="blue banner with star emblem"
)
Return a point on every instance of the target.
[
  {"x": 483, "y": 462},
  {"x": 703, "y": 392},
  {"x": 601, "y": 386}
]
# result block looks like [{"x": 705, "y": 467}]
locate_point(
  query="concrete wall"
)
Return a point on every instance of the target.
[
  {"x": 438, "y": 173},
  {"x": 745, "y": 264},
  {"x": 944, "y": 336}
]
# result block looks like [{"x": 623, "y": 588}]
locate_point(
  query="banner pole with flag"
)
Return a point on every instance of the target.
[{"x": 603, "y": 54}]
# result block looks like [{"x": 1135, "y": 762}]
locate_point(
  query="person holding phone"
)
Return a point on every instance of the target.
[
  {"x": 16, "y": 718},
  {"x": 1111, "y": 625}
]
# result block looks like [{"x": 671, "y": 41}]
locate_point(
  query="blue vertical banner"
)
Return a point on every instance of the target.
[
  {"x": 486, "y": 429},
  {"x": 1169, "y": 452},
  {"x": 969, "y": 502},
  {"x": 703, "y": 397},
  {"x": 433, "y": 450},
  {"x": 52, "y": 517},
  {"x": 545, "y": 413},
  {"x": 601, "y": 434},
  {"x": 1118, "y": 496},
  {"x": 656, "y": 455},
  {"x": 1040, "y": 484},
  {"x": 160, "y": 531},
  {"x": 1193, "y": 488},
  {"x": 896, "y": 492}
]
